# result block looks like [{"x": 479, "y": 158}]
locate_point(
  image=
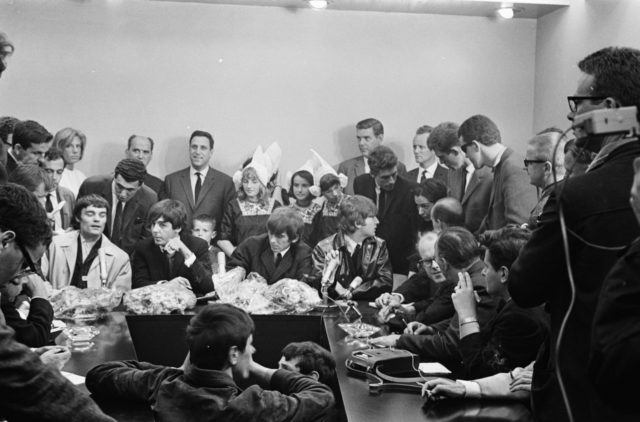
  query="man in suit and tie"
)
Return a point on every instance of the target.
[
  {"x": 370, "y": 134},
  {"x": 7, "y": 123},
  {"x": 512, "y": 197},
  {"x": 428, "y": 165},
  {"x": 397, "y": 212},
  {"x": 172, "y": 254},
  {"x": 141, "y": 147},
  {"x": 279, "y": 253},
  {"x": 53, "y": 164},
  {"x": 201, "y": 188},
  {"x": 29, "y": 143},
  {"x": 466, "y": 184},
  {"x": 129, "y": 201}
]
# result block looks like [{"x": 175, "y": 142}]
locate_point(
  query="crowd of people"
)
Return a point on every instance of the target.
[{"x": 505, "y": 268}]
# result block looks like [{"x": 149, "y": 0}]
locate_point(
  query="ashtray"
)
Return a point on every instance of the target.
[
  {"x": 79, "y": 338},
  {"x": 359, "y": 329}
]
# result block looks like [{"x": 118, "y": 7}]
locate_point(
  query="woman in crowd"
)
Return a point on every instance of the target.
[
  {"x": 325, "y": 222},
  {"x": 302, "y": 201},
  {"x": 72, "y": 142}
]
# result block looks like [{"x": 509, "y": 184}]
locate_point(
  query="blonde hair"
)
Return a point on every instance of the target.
[
  {"x": 65, "y": 136},
  {"x": 263, "y": 193}
]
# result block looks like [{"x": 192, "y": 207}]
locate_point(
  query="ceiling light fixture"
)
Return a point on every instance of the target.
[
  {"x": 509, "y": 12},
  {"x": 318, "y": 4}
]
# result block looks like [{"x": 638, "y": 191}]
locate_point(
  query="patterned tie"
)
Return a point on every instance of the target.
[{"x": 198, "y": 186}]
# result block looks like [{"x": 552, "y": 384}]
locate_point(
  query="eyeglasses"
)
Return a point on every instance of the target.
[
  {"x": 427, "y": 262},
  {"x": 28, "y": 262},
  {"x": 527, "y": 162},
  {"x": 464, "y": 147},
  {"x": 575, "y": 100}
]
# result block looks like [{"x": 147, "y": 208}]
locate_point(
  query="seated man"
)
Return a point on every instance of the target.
[
  {"x": 354, "y": 263},
  {"x": 447, "y": 212},
  {"x": 277, "y": 254},
  {"x": 171, "y": 254},
  {"x": 512, "y": 338},
  {"x": 76, "y": 258},
  {"x": 457, "y": 251},
  {"x": 220, "y": 341}
]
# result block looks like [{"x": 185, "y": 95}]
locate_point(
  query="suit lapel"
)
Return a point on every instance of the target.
[
  {"x": 267, "y": 261},
  {"x": 129, "y": 212},
  {"x": 455, "y": 182},
  {"x": 206, "y": 186},
  {"x": 359, "y": 167},
  {"x": 185, "y": 182},
  {"x": 71, "y": 252},
  {"x": 158, "y": 256},
  {"x": 473, "y": 183}
]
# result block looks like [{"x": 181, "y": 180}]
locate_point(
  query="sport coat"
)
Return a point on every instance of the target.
[
  {"x": 512, "y": 196},
  {"x": 12, "y": 163},
  {"x": 153, "y": 182},
  {"x": 476, "y": 196},
  {"x": 255, "y": 255},
  {"x": 397, "y": 221},
  {"x": 134, "y": 219},
  {"x": 217, "y": 190},
  {"x": 151, "y": 265},
  {"x": 61, "y": 263},
  {"x": 441, "y": 174},
  {"x": 66, "y": 212},
  {"x": 354, "y": 167}
]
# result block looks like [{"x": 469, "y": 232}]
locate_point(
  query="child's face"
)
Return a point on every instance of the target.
[{"x": 203, "y": 230}]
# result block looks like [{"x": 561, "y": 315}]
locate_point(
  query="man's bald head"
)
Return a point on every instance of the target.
[{"x": 447, "y": 212}]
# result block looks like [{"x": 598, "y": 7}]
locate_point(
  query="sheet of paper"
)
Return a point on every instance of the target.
[
  {"x": 73, "y": 378},
  {"x": 433, "y": 368}
]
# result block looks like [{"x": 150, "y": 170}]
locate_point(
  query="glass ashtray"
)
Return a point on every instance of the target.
[
  {"x": 359, "y": 329},
  {"x": 79, "y": 338}
]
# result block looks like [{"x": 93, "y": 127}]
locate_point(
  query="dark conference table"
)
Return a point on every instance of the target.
[{"x": 272, "y": 333}]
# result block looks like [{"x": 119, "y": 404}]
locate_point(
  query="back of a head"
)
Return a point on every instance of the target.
[
  {"x": 213, "y": 331},
  {"x": 426, "y": 241},
  {"x": 432, "y": 189},
  {"x": 7, "y": 125},
  {"x": 286, "y": 220},
  {"x": 31, "y": 176},
  {"x": 312, "y": 357},
  {"x": 131, "y": 170},
  {"x": 424, "y": 129},
  {"x": 171, "y": 211},
  {"x": 458, "y": 247},
  {"x": 444, "y": 137},
  {"x": 372, "y": 123},
  {"x": 22, "y": 213},
  {"x": 29, "y": 132},
  {"x": 382, "y": 158},
  {"x": 504, "y": 244},
  {"x": 545, "y": 144},
  {"x": 448, "y": 211},
  {"x": 353, "y": 211},
  {"x": 481, "y": 129}
]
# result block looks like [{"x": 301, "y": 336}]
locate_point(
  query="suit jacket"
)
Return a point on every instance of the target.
[
  {"x": 255, "y": 255},
  {"x": 61, "y": 263},
  {"x": 512, "y": 196},
  {"x": 12, "y": 163},
  {"x": 36, "y": 329},
  {"x": 66, "y": 212},
  {"x": 151, "y": 265},
  {"x": 596, "y": 208},
  {"x": 441, "y": 174},
  {"x": 397, "y": 221},
  {"x": 354, "y": 167},
  {"x": 153, "y": 182},
  {"x": 476, "y": 196},
  {"x": 134, "y": 219},
  {"x": 217, "y": 190}
]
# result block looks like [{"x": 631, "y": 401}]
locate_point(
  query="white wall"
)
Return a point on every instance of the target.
[
  {"x": 568, "y": 35},
  {"x": 257, "y": 74}
]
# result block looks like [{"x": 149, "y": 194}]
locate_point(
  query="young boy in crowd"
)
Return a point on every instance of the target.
[{"x": 204, "y": 227}]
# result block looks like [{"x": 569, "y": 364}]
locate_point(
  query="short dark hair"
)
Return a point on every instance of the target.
[
  {"x": 616, "y": 72},
  {"x": 131, "y": 170},
  {"x": 449, "y": 211},
  {"x": 30, "y": 176},
  {"x": 171, "y": 211},
  {"x": 53, "y": 154},
  {"x": 29, "y": 132},
  {"x": 375, "y": 124},
  {"x": 504, "y": 245},
  {"x": 382, "y": 158},
  {"x": 286, "y": 220},
  {"x": 7, "y": 124},
  {"x": 424, "y": 129},
  {"x": 444, "y": 137},
  {"x": 304, "y": 174},
  {"x": 205, "y": 218},
  {"x": 432, "y": 189},
  {"x": 458, "y": 247},
  {"x": 213, "y": 331},
  {"x": 132, "y": 137},
  {"x": 481, "y": 129},
  {"x": 353, "y": 211},
  {"x": 22, "y": 212},
  {"x": 84, "y": 202},
  {"x": 312, "y": 357},
  {"x": 328, "y": 181},
  {"x": 202, "y": 133}
]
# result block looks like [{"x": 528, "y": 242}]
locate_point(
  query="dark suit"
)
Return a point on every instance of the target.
[
  {"x": 35, "y": 330},
  {"x": 441, "y": 174},
  {"x": 134, "y": 214},
  {"x": 397, "y": 219},
  {"x": 150, "y": 264},
  {"x": 354, "y": 167},
  {"x": 11, "y": 163},
  {"x": 255, "y": 255},
  {"x": 153, "y": 182},
  {"x": 596, "y": 208},
  {"x": 512, "y": 196},
  {"x": 66, "y": 212},
  {"x": 217, "y": 191},
  {"x": 475, "y": 198}
]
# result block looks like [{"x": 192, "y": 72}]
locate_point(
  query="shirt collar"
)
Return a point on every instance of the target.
[
  {"x": 350, "y": 243},
  {"x": 498, "y": 158},
  {"x": 283, "y": 253},
  {"x": 203, "y": 173}
]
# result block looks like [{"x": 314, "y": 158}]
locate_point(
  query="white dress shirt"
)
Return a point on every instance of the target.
[{"x": 194, "y": 179}]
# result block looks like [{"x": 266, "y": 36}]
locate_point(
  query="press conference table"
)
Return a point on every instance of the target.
[{"x": 114, "y": 343}]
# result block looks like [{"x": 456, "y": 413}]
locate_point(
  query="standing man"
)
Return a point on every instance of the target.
[
  {"x": 512, "y": 198},
  {"x": 129, "y": 201},
  {"x": 53, "y": 164},
  {"x": 29, "y": 143},
  {"x": 397, "y": 212},
  {"x": 600, "y": 224},
  {"x": 141, "y": 147},
  {"x": 7, "y": 124},
  {"x": 201, "y": 188},
  {"x": 428, "y": 165},
  {"x": 466, "y": 184},
  {"x": 370, "y": 134}
]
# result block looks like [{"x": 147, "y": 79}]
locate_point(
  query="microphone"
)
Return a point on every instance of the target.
[{"x": 103, "y": 267}]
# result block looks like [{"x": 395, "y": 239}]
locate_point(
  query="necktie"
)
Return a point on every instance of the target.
[
  {"x": 424, "y": 176},
  {"x": 48, "y": 205},
  {"x": 463, "y": 187},
  {"x": 356, "y": 258},
  {"x": 278, "y": 259},
  {"x": 170, "y": 261},
  {"x": 117, "y": 224},
  {"x": 198, "y": 187},
  {"x": 382, "y": 202}
]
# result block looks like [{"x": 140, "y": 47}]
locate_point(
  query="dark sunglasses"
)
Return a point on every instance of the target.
[
  {"x": 575, "y": 100},
  {"x": 527, "y": 162}
]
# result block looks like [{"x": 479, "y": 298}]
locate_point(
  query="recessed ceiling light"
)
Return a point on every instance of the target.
[
  {"x": 509, "y": 12},
  {"x": 318, "y": 4}
]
